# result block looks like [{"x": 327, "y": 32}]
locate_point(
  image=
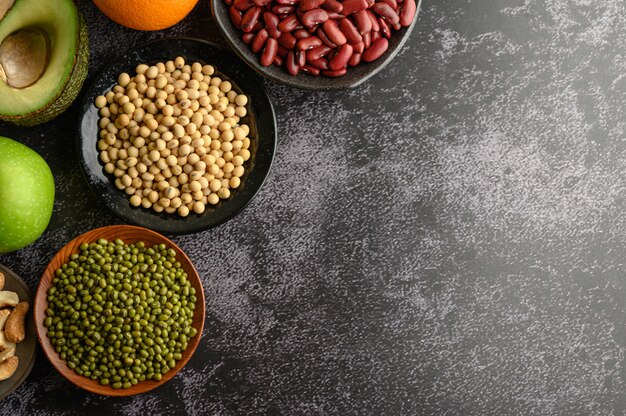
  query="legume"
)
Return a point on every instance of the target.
[
  {"x": 116, "y": 311},
  {"x": 161, "y": 126},
  {"x": 319, "y": 36}
]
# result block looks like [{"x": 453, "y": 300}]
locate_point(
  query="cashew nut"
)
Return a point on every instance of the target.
[
  {"x": 14, "y": 330},
  {"x": 1, "y": 280},
  {"x": 6, "y": 354},
  {"x": 4, "y": 314},
  {"x": 8, "y": 367},
  {"x": 8, "y": 298},
  {"x": 4, "y": 343}
]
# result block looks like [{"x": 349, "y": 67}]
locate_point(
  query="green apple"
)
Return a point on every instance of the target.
[{"x": 26, "y": 195}]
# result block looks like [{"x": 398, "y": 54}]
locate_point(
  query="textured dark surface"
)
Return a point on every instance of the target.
[{"x": 448, "y": 238}]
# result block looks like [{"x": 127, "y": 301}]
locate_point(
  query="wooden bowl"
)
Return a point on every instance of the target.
[{"x": 129, "y": 234}]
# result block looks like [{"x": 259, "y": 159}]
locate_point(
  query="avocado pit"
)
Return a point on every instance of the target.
[{"x": 24, "y": 57}]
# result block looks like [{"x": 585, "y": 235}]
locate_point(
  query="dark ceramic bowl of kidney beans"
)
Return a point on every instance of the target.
[{"x": 316, "y": 44}]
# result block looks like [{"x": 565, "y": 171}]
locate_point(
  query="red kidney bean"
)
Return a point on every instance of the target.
[
  {"x": 318, "y": 36},
  {"x": 324, "y": 38},
  {"x": 376, "y": 36},
  {"x": 317, "y": 53},
  {"x": 314, "y": 17},
  {"x": 355, "y": 59},
  {"x": 309, "y": 43},
  {"x": 259, "y": 40},
  {"x": 351, "y": 32},
  {"x": 353, "y": 6},
  {"x": 257, "y": 27},
  {"x": 331, "y": 29},
  {"x": 281, "y": 17},
  {"x": 374, "y": 20},
  {"x": 392, "y": 3},
  {"x": 280, "y": 9},
  {"x": 321, "y": 63},
  {"x": 290, "y": 63},
  {"x": 250, "y": 19},
  {"x": 376, "y": 50},
  {"x": 333, "y": 6},
  {"x": 358, "y": 47},
  {"x": 282, "y": 52},
  {"x": 287, "y": 40},
  {"x": 269, "y": 52},
  {"x": 363, "y": 22},
  {"x": 306, "y": 5},
  {"x": 300, "y": 58},
  {"x": 384, "y": 28},
  {"x": 407, "y": 13},
  {"x": 289, "y": 24},
  {"x": 367, "y": 40},
  {"x": 301, "y": 34},
  {"x": 243, "y": 5},
  {"x": 335, "y": 16},
  {"x": 334, "y": 74},
  {"x": 235, "y": 16},
  {"x": 271, "y": 24},
  {"x": 341, "y": 58},
  {"x": 386, "y": 12},
  {"x": 310, "y": 70},
  {"x": 248, "y": 38}
]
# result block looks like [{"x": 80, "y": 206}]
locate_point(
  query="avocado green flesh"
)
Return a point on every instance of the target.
[{"x": 60, "y": 20}]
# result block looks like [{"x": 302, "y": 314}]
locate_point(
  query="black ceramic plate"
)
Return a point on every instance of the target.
[
  {"x": 25, "y": 350},
  {"x": 355, "y": 76},
  {"x": 261, "y": 119}
]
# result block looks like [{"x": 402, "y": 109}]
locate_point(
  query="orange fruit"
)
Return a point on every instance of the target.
[{"x": 146, "y": 14}]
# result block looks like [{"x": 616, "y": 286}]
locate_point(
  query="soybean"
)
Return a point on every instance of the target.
[{"x": 169, "y": 123}]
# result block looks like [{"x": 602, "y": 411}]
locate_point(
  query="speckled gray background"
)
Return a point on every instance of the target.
[{"x": 447, "y": 239}]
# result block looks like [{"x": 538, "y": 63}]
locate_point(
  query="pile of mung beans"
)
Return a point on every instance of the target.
[
  {"x": 173, "y": 136},
  {"x": 121, "y": 313}
]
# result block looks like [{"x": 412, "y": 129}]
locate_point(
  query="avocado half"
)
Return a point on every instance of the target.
[{"x": 44, "y": 55}]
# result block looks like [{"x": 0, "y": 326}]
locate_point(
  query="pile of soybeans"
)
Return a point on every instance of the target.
[{"x": 173, "y": 136}]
